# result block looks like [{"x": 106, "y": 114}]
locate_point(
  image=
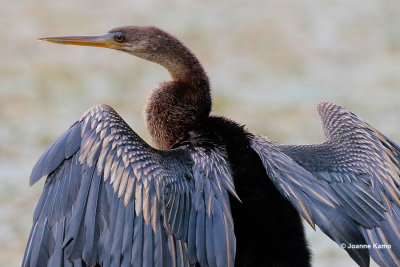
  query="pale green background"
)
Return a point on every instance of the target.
[{"x": 270, "y": 62}]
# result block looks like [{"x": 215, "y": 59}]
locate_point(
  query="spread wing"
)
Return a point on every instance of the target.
[
  {"x": 111, "y": 199},
  {"x": 352, "y": 179}
]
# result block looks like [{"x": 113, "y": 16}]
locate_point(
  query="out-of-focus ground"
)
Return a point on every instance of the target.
[{"x": 270, "y": 62}]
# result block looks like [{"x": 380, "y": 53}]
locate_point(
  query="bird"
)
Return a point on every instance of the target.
[{"x": 207, "y": 191}]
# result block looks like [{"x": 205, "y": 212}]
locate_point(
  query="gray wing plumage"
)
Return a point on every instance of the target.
[
  {"x": 349, "y": 185},
  {"x": 111, "y": 199}
]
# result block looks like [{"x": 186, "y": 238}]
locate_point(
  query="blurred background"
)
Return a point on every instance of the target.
[{"x": 269, "y": 62}]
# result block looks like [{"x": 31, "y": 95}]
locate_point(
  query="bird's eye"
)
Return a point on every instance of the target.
[{"x": 119, "y": 37}]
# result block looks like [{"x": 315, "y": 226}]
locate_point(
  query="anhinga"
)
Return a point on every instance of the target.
[{"x": 210, "y": 193}]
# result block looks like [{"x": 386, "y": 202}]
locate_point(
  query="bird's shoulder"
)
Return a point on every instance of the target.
[{"x": 216, "y": 131}]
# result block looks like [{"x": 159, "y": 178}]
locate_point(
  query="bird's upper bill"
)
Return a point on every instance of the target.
[{"x": 107, "y": 40}]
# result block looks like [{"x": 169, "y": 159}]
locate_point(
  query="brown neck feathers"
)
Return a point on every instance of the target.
[{"x": 176, "y": 106}]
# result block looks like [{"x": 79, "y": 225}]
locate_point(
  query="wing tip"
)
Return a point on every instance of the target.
[
  {"x": 323, "y": 106},
  {"x": 33, "y": 179},
  {"x": 323, "y": 103},
  {"x": 66, "y": 145},
  {"x": 37, "y": 172}
]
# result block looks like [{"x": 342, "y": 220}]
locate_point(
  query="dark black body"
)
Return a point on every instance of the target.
[{"x": 268, "y": 229}]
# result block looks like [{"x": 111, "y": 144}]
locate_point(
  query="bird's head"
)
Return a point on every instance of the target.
[{"x": 147, "y": 42}]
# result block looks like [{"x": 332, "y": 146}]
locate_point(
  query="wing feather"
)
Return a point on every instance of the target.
[
  {"x": 111, "y": 199},
  {"x": 357, "y": 168},
  {"x": 310, "y": 196}
]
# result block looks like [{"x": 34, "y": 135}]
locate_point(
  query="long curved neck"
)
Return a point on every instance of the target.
[
  {"x": 176, "y": 106},
  {"x": 180, "y": 62},
  {"x": 186, "y": 68}
]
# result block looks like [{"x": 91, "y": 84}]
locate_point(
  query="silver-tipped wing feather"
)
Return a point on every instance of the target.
[
  {"x": 311, "y": 197},
  {"x": 355, "y": 171},
  {"x": 110, "y": 198}
]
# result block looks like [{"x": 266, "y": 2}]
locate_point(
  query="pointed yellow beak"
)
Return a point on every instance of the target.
[{"x": 105, "y": 40}]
